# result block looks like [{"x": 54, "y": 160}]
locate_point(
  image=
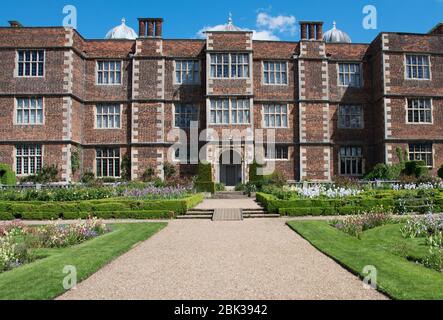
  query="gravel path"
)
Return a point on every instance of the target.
[{"x": 252, "y": 259}]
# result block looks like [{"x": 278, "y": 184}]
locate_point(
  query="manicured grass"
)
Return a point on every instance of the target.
[
  {"x": 384, "y": 248},
  {"x": 43, "y": 279}
]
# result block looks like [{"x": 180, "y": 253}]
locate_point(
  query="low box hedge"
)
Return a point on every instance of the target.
[
  {"x": 37, "y": 210},
  {"x": 345, "y": 206}
]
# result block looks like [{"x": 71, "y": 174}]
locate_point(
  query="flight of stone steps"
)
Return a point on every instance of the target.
[{"x": 208, "y": 213}]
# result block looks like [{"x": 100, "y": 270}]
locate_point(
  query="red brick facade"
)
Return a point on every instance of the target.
[{"x": 148, "y": 94}]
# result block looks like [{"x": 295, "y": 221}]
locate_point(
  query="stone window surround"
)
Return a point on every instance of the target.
[
  {"x": 229, "y": 54},
  {"x": 42, "y": 148},
  {"x": 15, "y": 122},
  {"x": 174, "y": 78},
  {"x": 95, "y": 161},
  {"x": 17, "y": 62},
  {"x": 432, "y": 152},
  {"x": 362, "y": 161},
  {"x": 109, "y": 60},
  {"x": 263, "y": 73},
  {"x": 405, "y": 55},
  {"x": 209, "y": 122},
  {"x": 362, "y": 115},
  {"x": 288, "y": 126},
  {"x": 362, "y": 82},
  {"x": 407, "y": 100},
  {"x": 108, "y": 104},
  {"x": 197, "y": 105},
  {"x": 275, "y": 159}
]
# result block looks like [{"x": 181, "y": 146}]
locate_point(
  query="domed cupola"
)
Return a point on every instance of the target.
[
  {"x": 336, "y": 36},
  {"x": 122, "y": 32}
]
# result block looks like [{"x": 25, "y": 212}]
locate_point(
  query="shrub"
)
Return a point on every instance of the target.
[
  {"x": 169, "y": 169},
  {"x": 435, "y": 259},
  {"x": 148, "y": 175},
  {"x": 126, "y": 168},
  {"x": 87, "y": 178},
  {"x": 75, "y": 161},
  {"x": 415, "y": 168},
  {"x": 384, "y": 172},
  {"x": 204, "y": 182},
  {"x": 7, "y": 176},
  {"x": 440, "y": 171},
  {"x": 219, "y": 187},
  {"x": 254, "y": 177},
  {"x": 47, "y": 174}
]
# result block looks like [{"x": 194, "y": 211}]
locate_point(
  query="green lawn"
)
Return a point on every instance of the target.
[
  {"x": 43, "y": 279},
  {"x": 384, "y": 248}
]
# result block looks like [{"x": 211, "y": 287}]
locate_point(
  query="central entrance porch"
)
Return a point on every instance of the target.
[{"x": 230, "y": 168}]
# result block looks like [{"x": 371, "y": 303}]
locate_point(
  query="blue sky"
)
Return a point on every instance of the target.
[{"x": 276, "y": 19}]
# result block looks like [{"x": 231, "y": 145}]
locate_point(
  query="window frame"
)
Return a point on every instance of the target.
[
  {"x": 274, "y": 62},
  {"x": 362, "y": 115},
  {"x": 431, "y": 110},
  {"x": 229, "y": 110},
  {"x": 115, "y": 71},
  {"x": 285, "y": 105},
  {"x": 195, "y": 82},
  {"x": 431, "y": 153},
  {"x": 275, "y": 158},
  {"x": 363, "y": 171},
  {"x": 361, "y": 81},
  {"x": 174, "y": 113},
  {"x": 103, "y": 158},
  {"x": 16, "y": 104},
  {"x": 428, "y": 56},
  {"x": 108, "y": 105},
  {"x": 16, "y": 147},
  {"x": 229, "y": 64},
  {"x": 17, "y": 61}
]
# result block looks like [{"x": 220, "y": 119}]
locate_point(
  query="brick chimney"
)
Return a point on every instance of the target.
[
  {"x": 150, "y": 27},
  {"x": 311, "y": 30},
  {"x": 15, "y": 24}
]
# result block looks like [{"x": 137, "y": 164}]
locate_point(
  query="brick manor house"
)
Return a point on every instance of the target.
[{"x": 336, "y": 107}]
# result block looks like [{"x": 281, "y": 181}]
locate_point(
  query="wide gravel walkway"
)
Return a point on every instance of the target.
[{"x": 252, "y": 259}]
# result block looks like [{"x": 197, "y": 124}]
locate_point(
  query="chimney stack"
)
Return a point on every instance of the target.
[
  {"x": 150, "y": 27},
  {"x": 311, "y": 30},
  {"x": 15, "y": 24}
]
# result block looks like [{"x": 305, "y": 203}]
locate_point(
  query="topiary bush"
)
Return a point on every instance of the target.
[
  {"x": 7, "y": 176},
  {"x": 204, "y": 182}
]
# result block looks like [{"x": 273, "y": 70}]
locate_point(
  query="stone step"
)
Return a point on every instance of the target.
[
  {"x": 199, "y": 213},
  {"x": 260, "y": 215},
  {"x": 195, "y": 217},
  {"x": 254, "y": 211}
]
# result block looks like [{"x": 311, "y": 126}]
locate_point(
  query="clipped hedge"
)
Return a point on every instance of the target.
[
  {"x": 204, "y": 181},
  {"x": 351, "y": 205},
  {"x": 7, "y": 176},
  {"x": 118, "y": 208},
  {"x": 205, "y": 187}
]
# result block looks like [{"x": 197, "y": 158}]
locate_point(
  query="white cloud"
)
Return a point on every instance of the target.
[
  {"x": 264, "y": 35},
  {"x": 278, "y": 23},
  {"x": 267, "y": 27}
]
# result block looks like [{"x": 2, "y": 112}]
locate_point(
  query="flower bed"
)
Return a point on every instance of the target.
[
  {"x": 430, "y": 228},
  {"x": 356, "y": 225},
  {"x": 17, "y": 240},
  {"x": 134, "y": 191}
]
